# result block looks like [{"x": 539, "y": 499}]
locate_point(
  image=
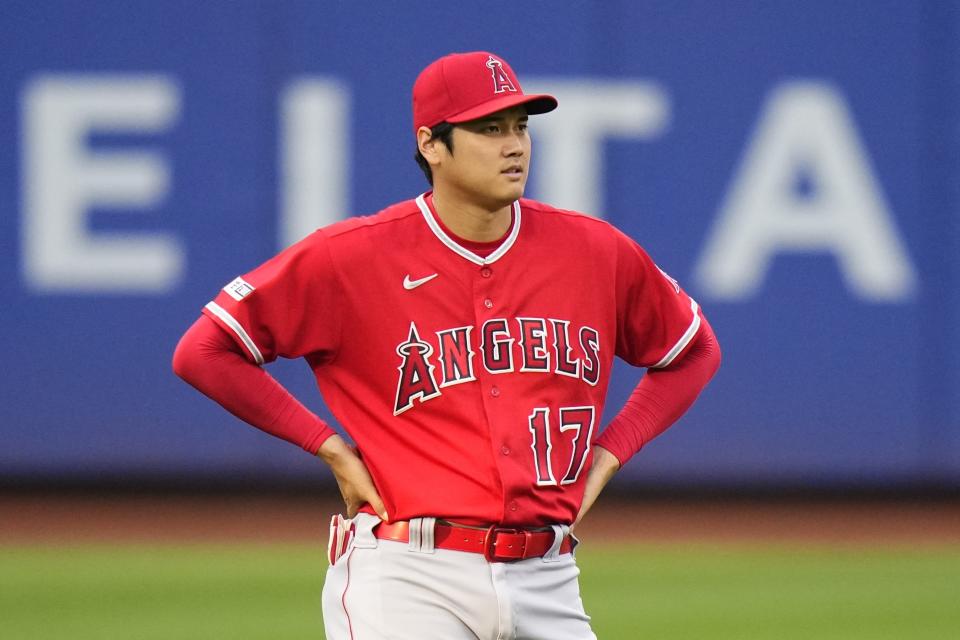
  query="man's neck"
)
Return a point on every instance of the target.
[{"x": 470, "y": 220}]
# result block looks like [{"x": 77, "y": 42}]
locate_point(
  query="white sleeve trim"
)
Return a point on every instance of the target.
[
  {"x": 231, "y": 322},
  {"x": 684, "y": 339}
]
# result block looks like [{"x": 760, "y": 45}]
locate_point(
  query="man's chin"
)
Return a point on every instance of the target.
[
  {"x": 502, "y": 197},
  {"x": 515, "y": 192}
]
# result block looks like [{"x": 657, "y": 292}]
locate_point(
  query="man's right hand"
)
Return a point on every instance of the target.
[{"x": 356, "y": 485}]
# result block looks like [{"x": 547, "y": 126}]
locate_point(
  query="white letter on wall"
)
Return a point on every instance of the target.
[
  {"x": 805, "y": 127},
  {"x": 568, "y": 159},
  {"x": 314, "y": 157},
  {"x": 63, "y": 180}
]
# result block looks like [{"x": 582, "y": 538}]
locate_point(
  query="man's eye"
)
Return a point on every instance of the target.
[{"x": 492, "y": 128}]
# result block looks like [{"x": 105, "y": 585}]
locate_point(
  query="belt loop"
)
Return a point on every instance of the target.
[
  {"x": 427, "y": 539},
  {"x": 421, "y": 539},
  {"x": 560, "y": 531},
  {"x": 413, "y": 540},
  {"x": 363, "y": 526}
]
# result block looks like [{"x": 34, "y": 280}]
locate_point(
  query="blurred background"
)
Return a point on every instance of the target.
[{"x": 794, "y": 165}]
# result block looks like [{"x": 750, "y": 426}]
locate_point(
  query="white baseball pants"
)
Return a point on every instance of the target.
[{"x": 383, "y": 589}]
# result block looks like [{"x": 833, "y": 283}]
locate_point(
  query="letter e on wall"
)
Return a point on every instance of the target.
[{"x": 63, "y": 180}]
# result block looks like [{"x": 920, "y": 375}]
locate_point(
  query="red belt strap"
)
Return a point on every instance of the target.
[{"x": 497, "y": 544}]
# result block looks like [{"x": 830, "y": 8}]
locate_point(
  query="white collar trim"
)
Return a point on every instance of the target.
[{"x": 463, "y": 251}]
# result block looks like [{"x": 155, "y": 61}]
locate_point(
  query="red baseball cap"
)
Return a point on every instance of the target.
[{"x": 465, "y": 86}]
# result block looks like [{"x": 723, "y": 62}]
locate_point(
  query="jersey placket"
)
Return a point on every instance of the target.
[{"x": 496, "y": 348}]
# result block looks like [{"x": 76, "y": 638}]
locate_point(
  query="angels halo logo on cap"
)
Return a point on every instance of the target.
[
  {"x": 501, "y": 81},
  {"x": 460, "y": 87}
]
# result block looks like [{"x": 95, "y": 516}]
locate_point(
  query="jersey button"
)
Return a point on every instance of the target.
[
  {"x": 513, "y": 506},
  {"x": 486, "y": 272},
  {"x": 505, "y": 450},
  {"x": 488, "y": 303},
  {"x": 495, "y": 392}
]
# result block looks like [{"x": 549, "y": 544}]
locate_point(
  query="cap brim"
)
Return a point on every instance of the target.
[{"x": 537, "y": 103}]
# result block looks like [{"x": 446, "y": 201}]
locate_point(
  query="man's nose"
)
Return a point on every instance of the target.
[{"x": 514, "y": 145}]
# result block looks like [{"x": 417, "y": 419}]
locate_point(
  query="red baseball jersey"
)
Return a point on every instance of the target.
[{"x": 472, "y": 384}]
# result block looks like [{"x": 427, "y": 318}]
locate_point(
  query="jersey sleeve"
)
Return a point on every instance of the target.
[
  {"x": 285, "y": 307},
  {"x": 656, "y": 319}
]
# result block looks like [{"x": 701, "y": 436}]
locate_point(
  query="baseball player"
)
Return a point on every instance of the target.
[{"x": 464, "y": 339}]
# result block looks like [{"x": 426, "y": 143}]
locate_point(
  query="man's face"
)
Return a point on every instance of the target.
[{"x": 490, "y": 159}]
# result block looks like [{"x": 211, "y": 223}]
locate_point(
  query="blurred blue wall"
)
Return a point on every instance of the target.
[{"x": 794, "y": 165}]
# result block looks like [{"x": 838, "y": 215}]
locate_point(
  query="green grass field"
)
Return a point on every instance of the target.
[{"x": 650, "y": 592}]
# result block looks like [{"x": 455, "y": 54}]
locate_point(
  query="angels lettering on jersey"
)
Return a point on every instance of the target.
[{"x": 429, "y": 363}]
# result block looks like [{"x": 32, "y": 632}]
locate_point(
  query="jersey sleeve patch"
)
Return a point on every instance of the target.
[
  {"x": 239, "y": 289},
  {"x": 676, "y": 285},
  {"x": 684, "y": 339},
  {"x": 237, "y": 329}
]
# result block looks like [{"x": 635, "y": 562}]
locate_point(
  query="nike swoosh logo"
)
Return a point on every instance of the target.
[{"x": 409, "y": 284}]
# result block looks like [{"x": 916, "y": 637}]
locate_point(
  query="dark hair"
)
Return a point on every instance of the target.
[{"x": 442, "y": 132}]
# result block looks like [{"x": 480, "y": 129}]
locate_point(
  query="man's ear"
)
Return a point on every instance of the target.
[{"x": 428, "y": 145}]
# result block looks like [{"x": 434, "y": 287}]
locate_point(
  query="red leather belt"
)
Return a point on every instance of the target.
[{"x": 497, "y": 544}]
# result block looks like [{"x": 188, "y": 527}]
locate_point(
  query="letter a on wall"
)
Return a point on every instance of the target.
[{"x": 806, "y": 132}]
